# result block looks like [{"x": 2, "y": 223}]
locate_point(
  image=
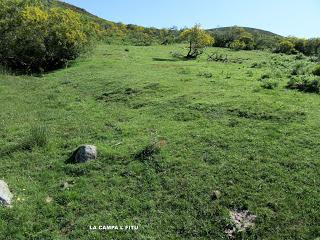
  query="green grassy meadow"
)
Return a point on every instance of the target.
[{"x": 219, "y": 129}]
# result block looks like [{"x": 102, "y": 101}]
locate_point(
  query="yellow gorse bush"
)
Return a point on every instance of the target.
[
  {"x": 35, "y": 37},
  {"x": 34, "y": 14},
  {"x": 70, "y": 27},
  {"x": 197, "y": 40}
]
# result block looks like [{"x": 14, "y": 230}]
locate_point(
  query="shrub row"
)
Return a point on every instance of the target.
[{"x": 304, "y": 84}]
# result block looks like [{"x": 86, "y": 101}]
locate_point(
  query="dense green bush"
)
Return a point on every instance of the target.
[
  {"x": 265, "y": 76},
  {"x": 299, "y": 69},
  {"x": 236, "y": 38},
  {"x": 285, "y": 46},
  {"x": 316, "y": 70},
  {"x": 292, "y": 45},
  {"x": 119, "y": 33},
  {"x": 237, "y": 45},
  {"x": 35, "y": 37},
  {"x": 216, "y": 57},
  {"x": 139, "y": 38},
  {"x": 315, "y": 58},
  {"x": 269, "y": 84},
  {"x": 305, "y": 84},
  {"x": 300, "y": 56}
]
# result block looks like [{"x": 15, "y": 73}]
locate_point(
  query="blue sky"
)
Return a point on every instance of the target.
[{"x": 299, "y": 18}]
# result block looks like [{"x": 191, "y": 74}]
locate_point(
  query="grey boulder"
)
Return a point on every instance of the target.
[{"x": 83, "y": 154}]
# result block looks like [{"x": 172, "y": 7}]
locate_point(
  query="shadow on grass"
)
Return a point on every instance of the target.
[
  {"x": 71, "y": 158},
  {"x": 8, "y": 150},
  {"x": 38, "y": 136},
  {"x": 165, "y": 60},
  {"x": 39, "y": 73}
]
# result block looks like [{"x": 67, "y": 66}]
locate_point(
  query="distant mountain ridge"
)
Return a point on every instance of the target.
[{"x": 253, "y": 31}]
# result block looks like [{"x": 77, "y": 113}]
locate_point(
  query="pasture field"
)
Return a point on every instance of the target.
[{"x": 169, "y": 133}]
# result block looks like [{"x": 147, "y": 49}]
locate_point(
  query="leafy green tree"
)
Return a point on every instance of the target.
[
  {"x": 223, "y": 38},
  {"x": 197, "y": 39},
  {"x": 247, "y": 39},
  {"x": 243, "y": 39},
  {"x": 236, "y": 38},
  {"x": 299, "y": 44},
  {"x": 237, "y": 45},
  {"x": 312, "y": 47},
  {"x": 167, "y": 36},
  {"x": 264, "y": 42}
]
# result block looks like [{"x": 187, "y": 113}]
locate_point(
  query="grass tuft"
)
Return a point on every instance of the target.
[
  {"x": 150, "y": 150},
  {"x": 38, "y": 136}
]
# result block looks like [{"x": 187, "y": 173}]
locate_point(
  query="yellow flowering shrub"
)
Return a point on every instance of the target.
[
  {"x": 197, "y": 40},
  {"x": 37, "y": 38},
  {"x": 34, "y": 15}
]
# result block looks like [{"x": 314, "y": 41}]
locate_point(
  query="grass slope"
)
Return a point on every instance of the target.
[
  {"x": 221, "y": 129},
  {"x": 102, "y": 22}
]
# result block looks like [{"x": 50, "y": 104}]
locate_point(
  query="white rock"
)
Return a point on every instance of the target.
[
  {"x": 243, "y": 220},
  {"x": 5, "y": 194}
]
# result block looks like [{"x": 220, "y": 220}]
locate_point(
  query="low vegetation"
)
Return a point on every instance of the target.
[
  {"x": 305, "y": 84},
  {"x": 286, "y": 46},
  {"x": 239, "y": 38},
  {"x": 223, "y": 133},
  {"x": 225, "y": 146},
  {"x": 316, "y": 70}
]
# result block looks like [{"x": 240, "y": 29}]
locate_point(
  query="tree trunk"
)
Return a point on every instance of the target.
[{"x": 190, "y": 50}]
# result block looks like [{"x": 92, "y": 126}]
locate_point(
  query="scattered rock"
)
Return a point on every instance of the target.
[
  {"x": 230, "y": 182},
  {"x": 66, "y": 185},
  {"x": 83, "y": 154},
  {"x": 243, "y": 220},
  {"x": 48, "y": 199},
  {"x": 216, "y": 195},
  {"x": 5, "y": 194}
]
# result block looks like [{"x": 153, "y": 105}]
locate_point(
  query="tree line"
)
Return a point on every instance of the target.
[
  {"x": 36, "y": 35},
  {"x": 236, "y": 38}
]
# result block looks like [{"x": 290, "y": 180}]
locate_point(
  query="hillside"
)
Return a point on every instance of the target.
[
  {"x": 193, "y": 141},
  {"x": 220, "y": 128},
  {"x": 101, "y": 21},
  {"x": 72, "y": 7}
]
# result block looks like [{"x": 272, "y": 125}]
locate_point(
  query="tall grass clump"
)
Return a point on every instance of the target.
[{"x": 38, "y": 136}]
